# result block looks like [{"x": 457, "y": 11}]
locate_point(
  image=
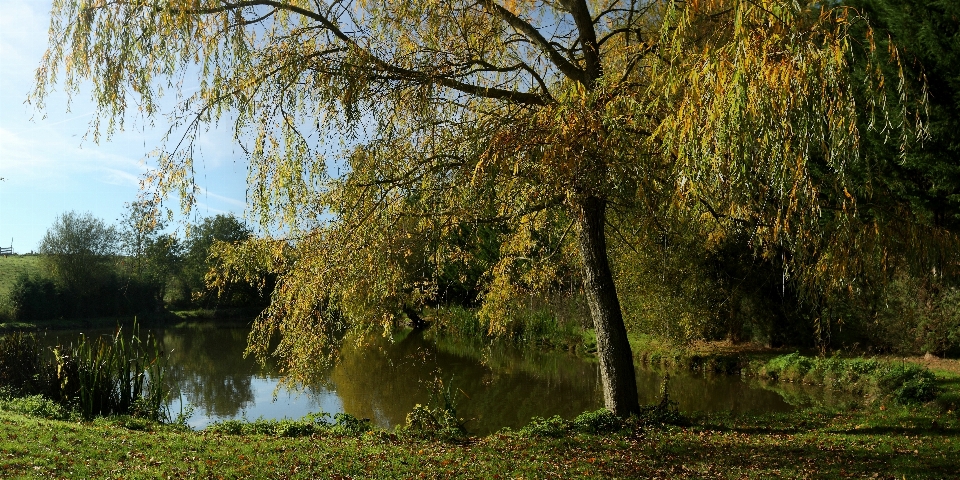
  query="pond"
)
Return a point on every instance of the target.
[{"x": 493, "y": 387}]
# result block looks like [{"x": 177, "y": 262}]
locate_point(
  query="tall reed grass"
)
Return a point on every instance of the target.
[
  {"x": 120, "y": 374},
  {"x": 21, "y": 364}
]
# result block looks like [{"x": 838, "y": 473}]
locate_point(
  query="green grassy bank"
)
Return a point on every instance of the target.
[
  {"x": 11, "y": 268},
  {"x": 886, "y": 444}
]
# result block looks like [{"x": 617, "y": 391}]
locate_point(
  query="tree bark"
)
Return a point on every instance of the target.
[{"x": 616, "y": 358}]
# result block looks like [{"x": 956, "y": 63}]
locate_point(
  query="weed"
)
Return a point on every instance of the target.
[
  {"x": 553, "y": 427},
  {"x": 35, "y": 406},
  {"x": 346, "y": 424},
  {"x": 97, "y": 377},
  {"x": 439, "y": 418},
  {"x": 664, "y": 412}
]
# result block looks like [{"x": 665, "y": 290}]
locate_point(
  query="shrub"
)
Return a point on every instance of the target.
[
  {"x": 36, "y": 406},
  {"x": 664, "y": 412},
  {"x": 597, "y": 422},
  {"x": 917, "y": 317},
  {"x": 546, "y": 427},
  {"x": 434, "y": 422},
  {"x": 440, "y": 418},
  {"x": 35, "y": 298},
  {"x": 346, "y": 424}
]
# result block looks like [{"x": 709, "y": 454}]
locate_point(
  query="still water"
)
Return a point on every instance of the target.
[{"x": 492, "y": 387}]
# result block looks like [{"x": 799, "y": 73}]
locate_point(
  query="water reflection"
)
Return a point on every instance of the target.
[
  {"x": 493, "y": 387},
  {"x": 209, "y": 370},
  {"x": 383, "y": 383}
]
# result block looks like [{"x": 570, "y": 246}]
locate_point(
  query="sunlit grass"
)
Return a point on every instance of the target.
[
  {"x": 911, "y": 443},
  {"x": 11, "y": 268}
]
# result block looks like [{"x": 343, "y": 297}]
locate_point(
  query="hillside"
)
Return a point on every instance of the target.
[{"x": 10, "y": 268}]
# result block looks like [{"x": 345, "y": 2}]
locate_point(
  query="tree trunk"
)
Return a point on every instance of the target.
[{"x": 616, "y": 358}]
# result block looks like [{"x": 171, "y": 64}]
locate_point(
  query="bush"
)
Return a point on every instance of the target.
[
  {"x": 435, "y": 422},
  {"x": 597, "y": 422},
  {"x": 554, "y": 427},
  {"x": 918, "y": 317},
  {"x": 439, "y": 419},
  {"x": 36, "y": 406},
  {"x": 664, "y": 412},
  {"x": 346, "y": 424},
  {"x": 38, "y": 298},
  {"x": 35, "y": 299}
]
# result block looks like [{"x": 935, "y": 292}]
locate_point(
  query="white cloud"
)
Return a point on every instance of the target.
[
  {"x": 203, "y": 192},
  {"x": 23, "y": 33},
  {"x": 52, "y": 158}
]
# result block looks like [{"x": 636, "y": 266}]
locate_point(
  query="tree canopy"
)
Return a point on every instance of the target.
[
  {"x": 390, "y": 140},
  {"x": 79, "y": 250}
]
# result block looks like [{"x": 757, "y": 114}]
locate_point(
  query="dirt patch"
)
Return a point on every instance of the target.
[
  {"x": 726, "y": 347},
  {"x": 935, "y": 363}
]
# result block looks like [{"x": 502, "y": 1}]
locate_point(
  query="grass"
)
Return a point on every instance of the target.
[
  {"x": 911, "y": 443},
  {"x": 11, "y": 267},
  {"x": 707, "y": 357},
  {"x": 539, "y": 327}
]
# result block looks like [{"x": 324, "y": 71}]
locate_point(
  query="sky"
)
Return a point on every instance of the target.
[{"x": 49, "y": 168}]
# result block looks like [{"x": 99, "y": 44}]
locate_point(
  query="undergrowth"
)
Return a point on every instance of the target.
[
  {"x": 311, "y": 424},
  {"x": 905, "y": 383}
]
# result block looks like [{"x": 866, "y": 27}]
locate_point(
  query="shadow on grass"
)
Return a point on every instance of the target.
[
  {"x": 892, "y": 430},
  {"x": 751, "y": 453}
]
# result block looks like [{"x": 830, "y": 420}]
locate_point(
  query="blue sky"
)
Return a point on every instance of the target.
[{"x": 48, "y": 166}]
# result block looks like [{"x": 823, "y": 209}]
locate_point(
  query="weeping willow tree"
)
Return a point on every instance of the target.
[{"x": 386, "y": 138}]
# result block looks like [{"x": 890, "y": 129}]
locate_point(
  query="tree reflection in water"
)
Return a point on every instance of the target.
[{"x": 209, "y": 370}]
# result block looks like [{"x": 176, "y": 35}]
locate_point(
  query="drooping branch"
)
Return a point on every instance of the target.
[{"x": 525, "y": 98}]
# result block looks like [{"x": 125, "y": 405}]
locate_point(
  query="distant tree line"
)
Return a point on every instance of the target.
[{"x": 93, "y": 269}]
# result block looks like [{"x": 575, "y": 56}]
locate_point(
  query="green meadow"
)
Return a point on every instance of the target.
[{"x": 11, "y": 268}]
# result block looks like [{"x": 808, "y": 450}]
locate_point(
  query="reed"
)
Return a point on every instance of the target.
[
  {"x": 21, "y": 364},
  {"x": 113, "y": 375}
]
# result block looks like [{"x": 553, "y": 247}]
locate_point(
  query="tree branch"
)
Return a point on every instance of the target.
[
  {"x": 564, "y": 65},
  {"x": 526, "y": 98},
  {"x": 580, "y": 12}
]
